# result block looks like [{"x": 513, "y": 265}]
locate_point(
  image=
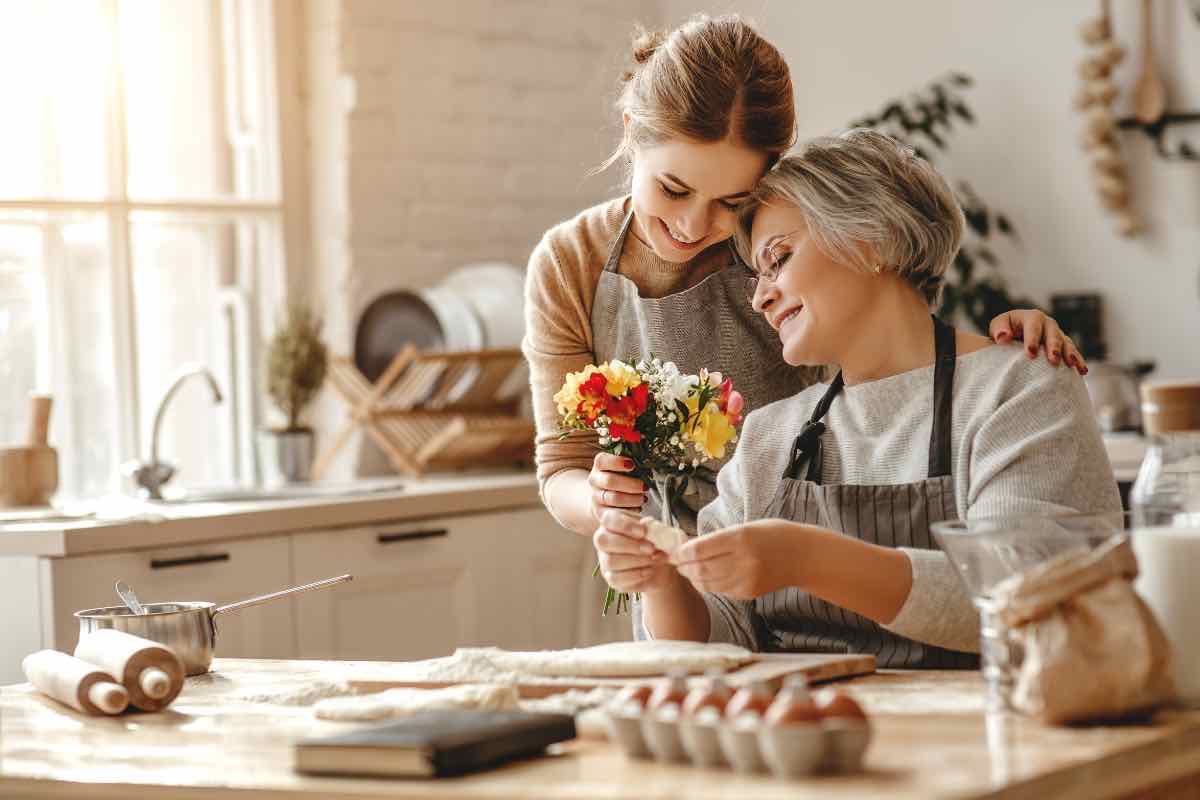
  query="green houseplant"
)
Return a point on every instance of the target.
[
  {"x": 976, "y": 290},
  {"x": 296, "y": 362}
]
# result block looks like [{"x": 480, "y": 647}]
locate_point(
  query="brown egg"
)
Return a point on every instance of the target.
[
  {"x": 793, "y": 706},
  {"x": 714, "y": 693},
  {"x": 672, "y": 690},
  {"x": 634, "y": 694},
  {"x": 834, "y": 704},
  {"x": 755, "y": 699}
]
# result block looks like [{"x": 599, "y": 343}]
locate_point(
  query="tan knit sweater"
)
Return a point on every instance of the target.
[{"x": 560, "y": 285}]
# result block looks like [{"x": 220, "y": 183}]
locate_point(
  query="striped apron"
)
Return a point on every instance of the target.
[{"x": 897, "y": 515}]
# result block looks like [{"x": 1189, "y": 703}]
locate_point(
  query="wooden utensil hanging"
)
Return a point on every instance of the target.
[{"x": 1150, "y": 93}]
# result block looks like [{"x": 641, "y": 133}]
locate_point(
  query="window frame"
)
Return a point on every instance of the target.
[{"x": 252, "y": 34}]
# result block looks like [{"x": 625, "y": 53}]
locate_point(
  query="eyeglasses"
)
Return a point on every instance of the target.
[{"x": 769, "y": 264}]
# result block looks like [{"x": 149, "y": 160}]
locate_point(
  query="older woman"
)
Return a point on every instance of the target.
[{"x": 819, "y": 539}]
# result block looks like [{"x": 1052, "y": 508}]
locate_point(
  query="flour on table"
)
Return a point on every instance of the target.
[
  {"x": 615, "y": 660},
  {"x": 299, "y": 694},
  {"x": 403, "y": 702},
  {"x": 572, "y": 701}
]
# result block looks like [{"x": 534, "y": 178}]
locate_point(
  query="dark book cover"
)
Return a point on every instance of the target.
[{"x": 433, "y": 744}]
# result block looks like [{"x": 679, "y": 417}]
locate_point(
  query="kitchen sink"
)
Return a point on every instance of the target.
[{"x": 293, "y": 491}]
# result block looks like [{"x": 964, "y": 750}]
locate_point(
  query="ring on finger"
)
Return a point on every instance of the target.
[{"x": 604, "y": 498}]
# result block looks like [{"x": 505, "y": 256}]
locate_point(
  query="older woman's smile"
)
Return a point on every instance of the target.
[{"x": 779, "y": 320}]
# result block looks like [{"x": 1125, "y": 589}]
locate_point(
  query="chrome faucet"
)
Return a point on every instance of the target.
[{"x": 152, "y": 475}]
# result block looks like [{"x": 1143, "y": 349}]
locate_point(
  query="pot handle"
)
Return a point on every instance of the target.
[{"x": 253, "y": 601}]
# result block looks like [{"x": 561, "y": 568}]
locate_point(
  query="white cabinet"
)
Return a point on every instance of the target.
[
  {"x": 512, "y": 579},
  {"x": 220, "y": 572},
  {"x": 411, "y": 597}
]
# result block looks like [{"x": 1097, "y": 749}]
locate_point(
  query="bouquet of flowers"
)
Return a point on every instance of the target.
[{"x": 666, "y": 422}]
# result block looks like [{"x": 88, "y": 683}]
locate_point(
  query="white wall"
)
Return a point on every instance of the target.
[
  {"x": 847, "y": 57},
  {"x": 443, "y": 133}
]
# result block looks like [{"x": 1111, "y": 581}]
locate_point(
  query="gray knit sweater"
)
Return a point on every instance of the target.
[{"x": 1024, "y": 440}]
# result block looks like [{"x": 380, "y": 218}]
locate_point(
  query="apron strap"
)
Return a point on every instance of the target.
[
  {"x": 943, "y": 397},
  {"x": 614, "y": 252},
  {"x": 807, "y": 446}
]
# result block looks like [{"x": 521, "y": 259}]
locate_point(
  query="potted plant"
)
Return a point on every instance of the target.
[{"x": 296, "y": 365}]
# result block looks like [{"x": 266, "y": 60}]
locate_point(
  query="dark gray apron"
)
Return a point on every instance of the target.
[
  {"x": 711, "y": 325},
  {"x": 896, "y": 515}
]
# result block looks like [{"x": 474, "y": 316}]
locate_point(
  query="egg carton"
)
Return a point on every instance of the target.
[{"x": 746, "y": 744}]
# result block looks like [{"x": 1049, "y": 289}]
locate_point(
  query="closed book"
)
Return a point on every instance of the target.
[{"x": 433, "y": 744}]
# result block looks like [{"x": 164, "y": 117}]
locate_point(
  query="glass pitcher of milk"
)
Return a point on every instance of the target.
[{"x": 1165, "y": 502}]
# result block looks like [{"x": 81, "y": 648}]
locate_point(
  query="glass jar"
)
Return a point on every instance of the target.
[
  {"x": 1165, "y": 501},
  {"x": 1167, "y": 489}
]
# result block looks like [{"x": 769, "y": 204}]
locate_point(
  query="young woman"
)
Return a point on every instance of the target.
[
  {"x": 819, "y": 539},
  {"x": 707, "y": 110}
]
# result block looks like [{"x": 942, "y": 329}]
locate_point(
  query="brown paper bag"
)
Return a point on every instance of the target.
[{"x": 1092, "y": 648}]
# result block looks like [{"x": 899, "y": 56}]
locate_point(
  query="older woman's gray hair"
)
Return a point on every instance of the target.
[{"x": 870, "y": 202}]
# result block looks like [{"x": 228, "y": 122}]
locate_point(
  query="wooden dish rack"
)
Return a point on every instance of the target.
[{"x": 413, "y": 413}]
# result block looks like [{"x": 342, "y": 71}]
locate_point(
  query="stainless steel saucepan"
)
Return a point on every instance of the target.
[{"x": 187, "y": 628}]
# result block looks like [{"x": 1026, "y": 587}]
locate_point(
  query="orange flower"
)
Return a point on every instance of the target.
[{"x": 593, "y": 394}]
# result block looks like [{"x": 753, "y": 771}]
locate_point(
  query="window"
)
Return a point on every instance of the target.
[{"x": 140, "y": 227}]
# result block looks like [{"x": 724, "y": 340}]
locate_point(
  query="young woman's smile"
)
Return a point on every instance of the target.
[{"x": 685, "y": 193}]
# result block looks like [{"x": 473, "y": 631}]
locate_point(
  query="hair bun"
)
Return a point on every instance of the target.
[{"x": 645, "y": 44}]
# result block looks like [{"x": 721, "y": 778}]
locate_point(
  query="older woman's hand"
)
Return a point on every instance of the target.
[
  {"x": 628, "y": 561},
  {"x": 1037, "y": 329},
  {"x": 742, "y": 561}
]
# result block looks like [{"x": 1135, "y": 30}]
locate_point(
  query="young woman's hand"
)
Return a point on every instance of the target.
[
  {"x": 628, "y": 561},
  {"x": 1037, "y": 330},
  {"x": 742, "y": 561},
  {"x": 611, "y": 488}
]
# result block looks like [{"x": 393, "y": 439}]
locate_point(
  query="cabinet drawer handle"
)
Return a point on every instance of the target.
[
  {"x": 167, "y": 563},
  {"x": 408, "y": 536}
]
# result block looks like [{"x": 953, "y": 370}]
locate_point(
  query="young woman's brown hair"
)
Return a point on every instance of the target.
[{"x": 710, "y": 79}]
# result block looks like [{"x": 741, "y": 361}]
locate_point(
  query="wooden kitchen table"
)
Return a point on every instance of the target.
[{"x": 932, "y": 739}]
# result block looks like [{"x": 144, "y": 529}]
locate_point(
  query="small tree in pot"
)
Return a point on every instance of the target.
[{"x": 296, "y": 365}]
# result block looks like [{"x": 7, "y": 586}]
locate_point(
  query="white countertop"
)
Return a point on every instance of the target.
[{"x": 165, "y": 524}]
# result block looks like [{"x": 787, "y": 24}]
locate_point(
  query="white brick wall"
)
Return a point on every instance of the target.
[{"x": 449, "y": 131}]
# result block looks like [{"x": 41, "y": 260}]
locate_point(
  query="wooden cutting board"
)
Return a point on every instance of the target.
[{"x": 771, "y": 667}]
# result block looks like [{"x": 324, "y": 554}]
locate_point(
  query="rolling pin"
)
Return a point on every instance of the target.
[
  {"x": 150, "y": 672},
  {"x": 75, "y": 682},
  {"x": 29, "y": 474}
]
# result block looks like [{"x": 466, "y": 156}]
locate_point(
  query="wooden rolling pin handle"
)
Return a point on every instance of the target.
[
  {"x": 75, "y": 682},
  {"x": 111, "y": 698},
  {"x": 155, "y": 683},
  {"x": 39, "y": 419}
]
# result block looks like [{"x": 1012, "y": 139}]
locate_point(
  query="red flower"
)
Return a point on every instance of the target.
[
  {"x": 624, "y": 412},
  {"x": 594, "y": 392}
]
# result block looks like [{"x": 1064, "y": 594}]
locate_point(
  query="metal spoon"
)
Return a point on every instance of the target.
[{"x": 130, "y": 598}]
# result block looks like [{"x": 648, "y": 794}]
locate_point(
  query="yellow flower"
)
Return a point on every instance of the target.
[
  {"x": 710, "y": 431},
  {"x": 620, "y": 376},
  {"x": 568, "y": 397}
]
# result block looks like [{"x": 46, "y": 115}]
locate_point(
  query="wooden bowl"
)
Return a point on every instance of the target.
[{"x": 28, "y": 476}]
